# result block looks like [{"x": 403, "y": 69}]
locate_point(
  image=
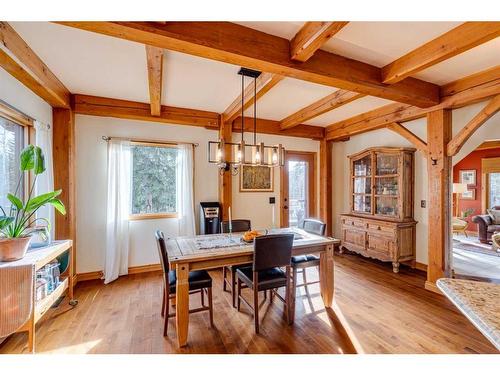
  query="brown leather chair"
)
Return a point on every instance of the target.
[
  {"x": 301, "y": 262},
  {"x": 485, "y": 226},
  {"x": 199, "y": 282},
  {"x": 271, "y": 252},
  {"x": 240, "y": 225}
]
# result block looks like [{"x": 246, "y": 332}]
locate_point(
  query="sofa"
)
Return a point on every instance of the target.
[{"x": 485, "y": 226}]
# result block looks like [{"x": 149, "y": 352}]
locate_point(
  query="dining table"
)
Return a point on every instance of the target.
[{"x": 205, "y": 252}]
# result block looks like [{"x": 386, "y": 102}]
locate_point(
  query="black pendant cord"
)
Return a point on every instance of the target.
[
  {"x": 242, "y": 105},
  {"x": 255, "y": 111}
]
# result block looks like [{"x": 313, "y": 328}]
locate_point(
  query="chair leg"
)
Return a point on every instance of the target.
[
  {"x": 304, "y": 277},
  {"x": 202, "y": 297},
  {"x": 233, "y": 286},
  {"x": 256, "y": 302},
  {"x": 210, "y": 307},
  {"x": 288, "y": 292},
  {"x": 294, "y": 289},
  {"x": 224, "y": 275},
  {"x": 239, "y": 294},
  {"x": 163, "y": 302},
  {"x": 167, "y": 311}
]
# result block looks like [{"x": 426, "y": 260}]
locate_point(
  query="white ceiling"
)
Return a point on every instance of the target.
[{"x": 94, "y": 64}]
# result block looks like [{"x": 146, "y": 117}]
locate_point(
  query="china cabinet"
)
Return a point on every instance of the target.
[{"x": 380, "y": 223}]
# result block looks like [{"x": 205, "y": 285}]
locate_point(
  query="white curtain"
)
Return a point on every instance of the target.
[
  {"x": 118, "y": 205},
  {"x": 185, "y": 206},
  {"x": 45, "y": 181}
]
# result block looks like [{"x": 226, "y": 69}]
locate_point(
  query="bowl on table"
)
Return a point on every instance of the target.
[{"x": 250, "y": 235}]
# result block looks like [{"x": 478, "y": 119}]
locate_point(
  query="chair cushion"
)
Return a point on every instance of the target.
[
  {"x": 197, "y": 280},
  {"x": 268, "y": 279},
  {"x": 493, "y": 228},
  {"x": 305, "y": 258},
  {"x": 495, "y": 216}
]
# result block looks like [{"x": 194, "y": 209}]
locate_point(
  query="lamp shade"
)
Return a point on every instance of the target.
[{"x": 459, "y": 188}]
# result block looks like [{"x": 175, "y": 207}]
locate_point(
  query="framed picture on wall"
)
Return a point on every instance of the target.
[
  {"x": 470, "y": 194},
  {"x": 468, "y": 176},
  {"x": 256, "y": 178}
]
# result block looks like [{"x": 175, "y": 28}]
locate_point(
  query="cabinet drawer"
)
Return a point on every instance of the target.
[
  {"x": 380, "y": 244},
  {"x": 354, "y": 237},
  {"x": 354, "y": 222},
  {"x": 381, "y": 229}
]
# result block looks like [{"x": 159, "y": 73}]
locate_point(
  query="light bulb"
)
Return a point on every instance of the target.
[
  {"x": 257, "y": 157},
  {"x": 275, "y": 157}
]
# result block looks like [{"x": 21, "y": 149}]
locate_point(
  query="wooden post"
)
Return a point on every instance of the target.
[
  {"x": 226, "y": 179},
  {"x": 325, "y": 184},
  {"x": 63, "y": 121},
  {"x": 439, "y": 196}
]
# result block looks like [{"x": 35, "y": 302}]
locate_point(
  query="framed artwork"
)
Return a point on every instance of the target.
[
  {"x": 468, "y": 176},
  {"x": 469, "y": 195},
  {"x": 256, "y": 178}
]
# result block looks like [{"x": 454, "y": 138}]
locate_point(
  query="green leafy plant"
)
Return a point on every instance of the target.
[
  {"x": 21, "y": 217},
  {"x": 468, "y": 212}
]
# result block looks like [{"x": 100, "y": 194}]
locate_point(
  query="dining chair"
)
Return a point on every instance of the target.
[
  {"x": 271, "y": 253},
  {"x": 301, "y": 262},
  {"x": 240, "y": 225},
  {"x": 199, "y": 282}
]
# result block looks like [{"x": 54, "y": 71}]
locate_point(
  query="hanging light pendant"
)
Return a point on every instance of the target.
[{"x": 270, "y": 156}]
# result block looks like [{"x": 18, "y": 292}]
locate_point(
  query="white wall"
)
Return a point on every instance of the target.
[
  {"x": 91, "y": 156},
  {"x": 254, "y": 205}
]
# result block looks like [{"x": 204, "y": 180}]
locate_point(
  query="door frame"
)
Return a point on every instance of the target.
[{"x": 307, "y": 156}]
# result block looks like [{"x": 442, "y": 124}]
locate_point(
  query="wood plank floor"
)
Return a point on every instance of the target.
[{"x": 387, "y": 313}]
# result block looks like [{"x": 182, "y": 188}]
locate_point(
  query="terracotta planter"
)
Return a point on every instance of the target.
[{"x": 13, "y": 248}]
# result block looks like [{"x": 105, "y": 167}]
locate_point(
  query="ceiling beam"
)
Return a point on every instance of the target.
[
  {"x": 456, "y": 41},
  {"x": 273, "y": 127},
  {"x": 311, "y": 37},
  {"x": 456, "y": 144},
  {"x": 326, "y": 104},
  {"x": 265, "y": 82},
  {"x": 240, "y": 45},
  {"x": 418, "y": 142},
  {"x": 107, "y": 107},
  {"x": 154, "y": 58},
  {"x": 19, "y": 60},
  {"x": 465, "y": 91}
]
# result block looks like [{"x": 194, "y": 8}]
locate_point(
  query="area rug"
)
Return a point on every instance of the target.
[{"x": 474, "y": 248}]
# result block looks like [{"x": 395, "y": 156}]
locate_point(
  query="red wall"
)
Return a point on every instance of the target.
[{"x": 473, "y": 161}]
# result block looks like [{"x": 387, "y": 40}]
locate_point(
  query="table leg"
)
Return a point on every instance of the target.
[
  {"x": 326, "y": 276},
  {"x": 182, "y": 303}
]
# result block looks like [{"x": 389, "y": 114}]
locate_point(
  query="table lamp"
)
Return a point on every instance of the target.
[{"x": 458, "y": 188}]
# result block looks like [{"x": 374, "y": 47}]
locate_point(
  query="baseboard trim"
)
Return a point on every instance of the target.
[
  {"x": 96, "y": 275},
  {"x": 420, "y": 266},
  {"x": 432, "y": 287}
]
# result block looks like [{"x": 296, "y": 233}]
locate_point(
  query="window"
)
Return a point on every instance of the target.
[
  {"x": 11, "y": 145},
  {"x": 494, "y": 189},
  {"x": 154, "y": 180}
]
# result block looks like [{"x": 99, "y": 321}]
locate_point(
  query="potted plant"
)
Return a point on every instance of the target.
[{"x": 16, "y": 226}]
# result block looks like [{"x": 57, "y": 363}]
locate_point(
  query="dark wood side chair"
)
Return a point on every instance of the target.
[
  {"x": 271, "y": 252},
  {"x": 301, "y": 262},
  {"x": 240, "y": 225},
  {"x": 199, "y": 282}
]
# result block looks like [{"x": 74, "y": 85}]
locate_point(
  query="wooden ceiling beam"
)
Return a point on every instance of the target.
[
  {"x": 25, "y": 65},
  {"x": 125, "y": 109},
  {"x": 154, "y": 57},
  {"x": 456, "y": 41},
  {"x": 326, "y": 104},
  {"x": 418, "y": 142},
  {"x": 240, "y": 45},
  {"x": 311, "y": 37},
  {"x": 265, "y": 82},
  {"x": 456, "y": 144},
  {"x": 465, "y": 91},
  {"x": 273, "y": 127}
]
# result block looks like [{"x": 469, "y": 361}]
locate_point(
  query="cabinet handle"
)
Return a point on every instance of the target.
[{"x": 378, "y": 228}]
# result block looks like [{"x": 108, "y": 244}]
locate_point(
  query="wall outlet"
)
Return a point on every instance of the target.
[
  {"x": 272, "y": 200},
  {"x": 423, "y": 203}
]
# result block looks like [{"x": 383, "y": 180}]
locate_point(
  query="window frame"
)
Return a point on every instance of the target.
[
  {"x": 152, "y": 216},
  {"x": 13, "y": 115}
]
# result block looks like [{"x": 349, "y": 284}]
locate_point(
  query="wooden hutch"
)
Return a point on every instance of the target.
[{"x": 380, "y": 223}]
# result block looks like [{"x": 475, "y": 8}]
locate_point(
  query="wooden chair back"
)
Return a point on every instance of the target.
[
  {"x": 313, "y": 226},
  {"x": 239, "y": 225},
  {"x": 274, "y": 250}
]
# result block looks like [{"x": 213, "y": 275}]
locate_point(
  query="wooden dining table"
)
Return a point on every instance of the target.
[{"x": 207, "y": 252}]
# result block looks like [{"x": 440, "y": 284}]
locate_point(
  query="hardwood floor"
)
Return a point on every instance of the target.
[{"x": 387, "y": 313}]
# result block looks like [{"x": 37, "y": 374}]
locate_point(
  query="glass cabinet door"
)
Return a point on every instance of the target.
[
  {"x": 362, "y": 203},
  {"x": 387, "y": 206},
  {"x": 386, "y": 186},
  {"x": 363, "y": 166},
  {"x": 387, "y": 164}
]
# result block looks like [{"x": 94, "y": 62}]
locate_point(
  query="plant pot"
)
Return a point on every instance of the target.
[{"x": 13, "y": 248}]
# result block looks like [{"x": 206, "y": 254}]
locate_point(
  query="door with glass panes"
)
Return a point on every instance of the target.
[{"x": 298, "y": 184}]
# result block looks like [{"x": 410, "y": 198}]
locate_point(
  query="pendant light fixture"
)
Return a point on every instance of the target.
[{"x": 230, "y": 156}]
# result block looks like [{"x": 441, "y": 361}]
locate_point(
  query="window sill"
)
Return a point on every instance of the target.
[{"x": 152, "y": 216}]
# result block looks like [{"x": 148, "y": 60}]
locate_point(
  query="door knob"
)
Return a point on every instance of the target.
[{"x": 285, "y": 207}]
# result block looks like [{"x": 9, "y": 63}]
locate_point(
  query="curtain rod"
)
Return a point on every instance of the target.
[
  {"x": 106, "y": 138},
  {"x": 17, "y": 110}
]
